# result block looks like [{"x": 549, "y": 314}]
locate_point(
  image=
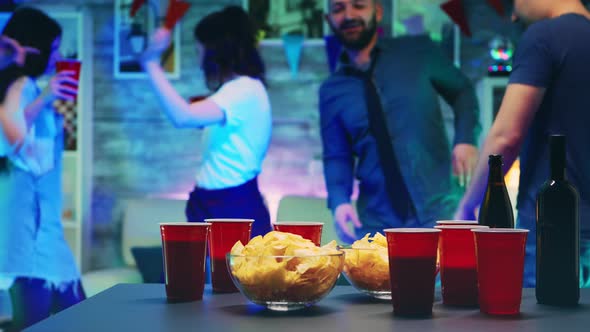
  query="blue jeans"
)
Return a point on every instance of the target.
[
  {"x": 35, "y": 299},
  {"x": 530, "y": 261},
  {"x": 243, "y": 201}
]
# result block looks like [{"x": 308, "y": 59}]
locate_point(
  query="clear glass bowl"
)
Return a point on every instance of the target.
[
  {"x": 367, "y": 270},
  {"x": 284, "y": 283}
]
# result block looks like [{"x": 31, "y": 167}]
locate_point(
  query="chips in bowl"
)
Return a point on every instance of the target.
[
  {"x": 366, "y": 266},
  {"x": 284, "y": 271}
]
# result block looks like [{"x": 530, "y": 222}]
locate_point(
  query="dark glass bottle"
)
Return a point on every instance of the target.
[
  {"x": 496, "y": 210},
  {"x": 558, "y": 234}
]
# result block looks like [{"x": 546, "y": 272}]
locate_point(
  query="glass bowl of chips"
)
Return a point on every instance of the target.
[
  {"x": 283, "y": 271},
  {"x": 366, "y": 266}
]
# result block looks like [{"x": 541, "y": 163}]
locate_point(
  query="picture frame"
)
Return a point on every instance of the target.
[
  {"x": 131, "y": 36},
  {"x": 279, "y": 17}
]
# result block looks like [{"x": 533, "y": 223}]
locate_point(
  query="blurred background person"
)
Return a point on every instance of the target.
[
  {"x": 34, "y": 256},
  {"x": 236, "y": 118},
  {"x": 382, "y": 124},
  {"x": 548, "y": 93},
  {"x": 11, "y": 52}
]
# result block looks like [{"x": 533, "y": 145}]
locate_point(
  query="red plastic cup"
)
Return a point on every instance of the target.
[
  {"x": 451, "y": 222},
  {"x": 457, "y": 222},
  {"x": 224, "y": 234},
  {"x": 184, "y": 245},
  {"x": 500, "y": 265},
  {"x": 73, "y": 65},
  {"x": 307, "y": 229},
  {"x": 458, "y": 269},
  {"x": 412, "y": 269}
]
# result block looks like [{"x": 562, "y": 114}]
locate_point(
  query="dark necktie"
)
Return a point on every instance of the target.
[{"x": 399, "y": 196}]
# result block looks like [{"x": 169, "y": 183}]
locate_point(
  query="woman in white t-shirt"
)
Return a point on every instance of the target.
[{"x": 236, "y": 118}]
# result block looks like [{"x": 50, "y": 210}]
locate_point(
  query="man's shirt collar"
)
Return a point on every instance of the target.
[{"x": 345, "y": 62}]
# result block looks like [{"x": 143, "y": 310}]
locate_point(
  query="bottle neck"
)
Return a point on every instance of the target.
[
  {"x": 557, "y": 158},
  {"x": 496, "y": 174},
  {"x": 557, "y": 171}
]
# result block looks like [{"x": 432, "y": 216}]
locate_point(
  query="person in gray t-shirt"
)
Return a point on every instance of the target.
[{"x": 548, "y": 93}]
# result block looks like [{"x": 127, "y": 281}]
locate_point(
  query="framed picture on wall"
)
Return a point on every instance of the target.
[
  {"x": 281, "y": 17},
  {"x": 132, "y": 37}
]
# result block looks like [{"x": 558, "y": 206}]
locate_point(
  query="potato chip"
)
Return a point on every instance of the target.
[
  {"x": 285, "y": 267},
  {"x": 380, "y": 239},
  {"x": 237, "y": 249}
]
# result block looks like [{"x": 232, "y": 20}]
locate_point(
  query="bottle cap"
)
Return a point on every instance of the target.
[{"x": 495, "y": 160}]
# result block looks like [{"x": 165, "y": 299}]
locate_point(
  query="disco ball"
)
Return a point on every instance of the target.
[{"x": 501, "y": 49}]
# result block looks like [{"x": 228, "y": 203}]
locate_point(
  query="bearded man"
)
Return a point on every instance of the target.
[{"x": 382, "y": 124}]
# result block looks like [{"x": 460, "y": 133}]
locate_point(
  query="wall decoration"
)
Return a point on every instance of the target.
[
  {"x": 414, "y": 24},
  {"x": 135, "y": 5},
  {"x": 293, "y": 45},
  {"x": 498, "y": 6},
  {"x": 426, "y": 17},
  {"x": 288, "y": 17},
  {"x": 455, "y": 10},
  {"x": 434, "y": 20},
  {"x": 132, "y": 35}
]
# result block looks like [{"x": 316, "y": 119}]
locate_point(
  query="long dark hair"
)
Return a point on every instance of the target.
[
  {"x": 30, "y": 27},
  {"x": 229, "y": 40}
]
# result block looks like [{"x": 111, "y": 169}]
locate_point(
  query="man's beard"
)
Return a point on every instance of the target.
[{"x": 364, "y": 38}]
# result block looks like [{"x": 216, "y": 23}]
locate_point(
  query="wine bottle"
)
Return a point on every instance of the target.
[
  {"x": 558, "y": 234},
  {"x": 496, "y": 210}
]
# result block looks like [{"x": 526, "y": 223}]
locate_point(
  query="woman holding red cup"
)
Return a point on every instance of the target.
[{"x": 35, "y": 260}]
